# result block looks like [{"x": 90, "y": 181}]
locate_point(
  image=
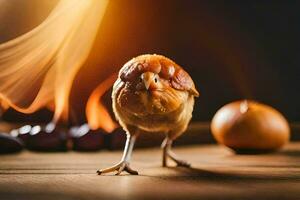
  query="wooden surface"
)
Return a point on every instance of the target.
[{"x": 216, "y": 174}]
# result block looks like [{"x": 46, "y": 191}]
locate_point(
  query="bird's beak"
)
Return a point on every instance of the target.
[{"x": 147, "y": 78}]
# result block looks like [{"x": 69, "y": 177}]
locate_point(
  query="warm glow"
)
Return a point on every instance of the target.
[
  {"x": 96, "y": 113},
  {"x": 37, "y": 69}
]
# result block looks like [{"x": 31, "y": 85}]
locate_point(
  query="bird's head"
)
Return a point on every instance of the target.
[
  {"x": 159, "y": 84},
  {"x": 149, "y": 81}
]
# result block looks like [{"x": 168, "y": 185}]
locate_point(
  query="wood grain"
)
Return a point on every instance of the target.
[{"x": 217, "y": 173}]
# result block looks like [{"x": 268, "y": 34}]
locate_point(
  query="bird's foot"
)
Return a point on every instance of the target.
[
  {"x": 179, "y": 162},
  {"x": 120, "y": 167},
  {"x": 182, "y": 163}
]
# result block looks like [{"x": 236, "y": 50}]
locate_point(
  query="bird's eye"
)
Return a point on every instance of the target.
[{"x": 155, "y": 79}]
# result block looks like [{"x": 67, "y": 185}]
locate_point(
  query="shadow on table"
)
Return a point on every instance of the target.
[
  {"x": 195, "y": 174},
  {"x": 290, "y": 153}
]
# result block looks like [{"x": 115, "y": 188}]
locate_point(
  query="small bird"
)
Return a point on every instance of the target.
[{"x": 152, "y": 94}]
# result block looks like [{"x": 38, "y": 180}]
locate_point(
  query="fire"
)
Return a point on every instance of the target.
[
  {"x": 37, "y": 69},
  {"x": 96, "y": 113}
]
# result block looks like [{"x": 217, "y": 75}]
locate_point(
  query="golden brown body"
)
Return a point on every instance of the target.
[
  {"x": 138, "y": 113},
  {"x": 153, "y": 94}
]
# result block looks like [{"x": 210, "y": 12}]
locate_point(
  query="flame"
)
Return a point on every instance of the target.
[
  {"x": 3, "y": 107},
  {"x": 37, "y": 69},
  {"x": 96, "y": 113}
]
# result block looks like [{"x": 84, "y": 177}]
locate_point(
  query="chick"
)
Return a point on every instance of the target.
[{"x": 153, "y": 94}]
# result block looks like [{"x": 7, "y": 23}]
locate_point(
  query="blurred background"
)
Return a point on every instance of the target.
[{"x": 232, "y": 49}]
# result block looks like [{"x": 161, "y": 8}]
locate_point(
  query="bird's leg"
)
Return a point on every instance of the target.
[
  {"x": 167, "y": 152},
  {"x": 123, "y": 165},
  {"x": 165, "y": 147}
]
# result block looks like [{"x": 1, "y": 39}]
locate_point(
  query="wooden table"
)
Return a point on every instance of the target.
[{"x": 217, "y": 173}]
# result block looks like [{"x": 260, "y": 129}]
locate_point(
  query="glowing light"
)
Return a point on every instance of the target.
[
  {"x": 37, "y": 69},
  {"x": 96, "y": 113},
  {"x": 244, "y": 106},
  {"x": 25, "y": 129},
  {"x": 35, "y": 130}
]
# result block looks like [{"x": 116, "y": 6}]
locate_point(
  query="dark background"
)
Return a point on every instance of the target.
[{"x": 232, "y": 49}]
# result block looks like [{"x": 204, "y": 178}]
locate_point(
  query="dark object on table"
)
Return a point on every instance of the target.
[
  {"x": 116, "y": 139},
  {"x": 47, "y": 138},
  {"x": 85, "y": 139},
  {"x": 9, "y": 144},
  {"x": 22, "y": 133}
]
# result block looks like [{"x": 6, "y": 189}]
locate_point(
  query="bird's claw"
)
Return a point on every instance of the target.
[
  {"x": 183, "y": 163},
  {"x": 122, "y": 166},
  {"x": 179, "y": 162}
]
